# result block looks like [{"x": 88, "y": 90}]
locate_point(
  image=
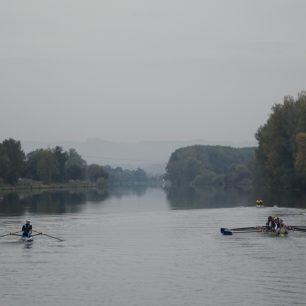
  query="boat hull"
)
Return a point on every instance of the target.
[
  {"x": 276, "y": 233},
  {"x": 27, "y": 239}
]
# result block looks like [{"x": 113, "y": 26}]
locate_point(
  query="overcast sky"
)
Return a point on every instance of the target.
[{"x": 132, "y": 70}]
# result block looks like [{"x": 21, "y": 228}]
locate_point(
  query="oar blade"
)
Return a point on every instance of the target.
[{"x": 226, "y": 231}]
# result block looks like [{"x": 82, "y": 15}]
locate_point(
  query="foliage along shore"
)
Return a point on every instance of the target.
[
  {"x": 29, "y": 186},
  {"x": 203, "y": 166},
  {"x": 55, "y": 168},
  {"x": 278, "y": 163}
]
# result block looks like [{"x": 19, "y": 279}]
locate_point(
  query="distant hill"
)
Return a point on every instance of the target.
[{"x": 152, "y": 156}]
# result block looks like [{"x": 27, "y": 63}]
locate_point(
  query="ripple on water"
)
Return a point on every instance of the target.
[{"x": 155, "y": 258}]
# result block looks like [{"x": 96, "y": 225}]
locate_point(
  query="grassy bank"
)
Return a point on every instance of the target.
[{"x": 29, "y": 186}]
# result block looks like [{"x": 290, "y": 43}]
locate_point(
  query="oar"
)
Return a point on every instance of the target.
[
  {"x": 39, "y": 233},
  {"x": 298, "y": 229},
  {"x": 5, "y": 235},
  {"x": 249, "y": 228},
  {"x": 36, "y": 234},
  {"x": 253, "y": 229},
  {"x": 226, "y": 231},
  {"x": 59, "y": 239},
  {"x": 243, "y": 228},
  {"x": 14, "y": 233}
]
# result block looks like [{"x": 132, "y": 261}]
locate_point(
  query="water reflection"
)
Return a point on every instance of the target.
[
  {"x": 284, "y": 198},
  {"x": 190, "y": 198},
  {"x": 61, "y": 202},
  {"x": 137, "y": 190},
  {"x": 48, "y": 202}
]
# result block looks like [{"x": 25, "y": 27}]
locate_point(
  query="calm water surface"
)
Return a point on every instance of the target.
[{"x": 136, "y": 249}]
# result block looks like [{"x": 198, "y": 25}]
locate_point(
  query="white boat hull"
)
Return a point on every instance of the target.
[{"x": 27, "y": 239}]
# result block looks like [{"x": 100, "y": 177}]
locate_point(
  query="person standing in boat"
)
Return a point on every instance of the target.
[{"x": 27, "y": 229}]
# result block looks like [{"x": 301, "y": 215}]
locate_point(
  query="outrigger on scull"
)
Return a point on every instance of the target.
[
  {"x": 274, "y": 226},
  {"x": 26, "y": 234},
  {"x": 261, "y": 229}
]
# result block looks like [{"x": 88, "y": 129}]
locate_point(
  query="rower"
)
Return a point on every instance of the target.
[
  {"x": 27, "y": 229},
  {"x": 259, "y": 203},
  {"x": 270, "y": 224},
  {"x": 277, "y": 223},
  {"x": 282, "y": 227}
]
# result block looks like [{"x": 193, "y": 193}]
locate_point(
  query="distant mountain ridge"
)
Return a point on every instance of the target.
[{"x": 152, "y": 156}]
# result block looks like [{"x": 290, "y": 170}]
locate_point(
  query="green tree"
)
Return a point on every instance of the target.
[
  {"x": 280, "y": 154},
  {"x": 42, "y": 165},
  {"x": 75, "y": 166},
  {"x": 201, "y": 166},
  {"x": 4, "y": 164},
  {"x": 61, "y": 157},
  {"x": 300, "y": 158},
  {"x": 12, "y": 161},
  {"x": 31, "y": 164},
  {"x": 47, "y": 166},
  {"x": 94, "y": 172},
  {"x": 139, "y": 175}
]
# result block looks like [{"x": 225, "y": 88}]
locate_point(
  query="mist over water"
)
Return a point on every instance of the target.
[{"x": 143, "y": 247}]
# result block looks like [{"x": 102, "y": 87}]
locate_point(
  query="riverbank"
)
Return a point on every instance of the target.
[{"x": 32, "y": 186}]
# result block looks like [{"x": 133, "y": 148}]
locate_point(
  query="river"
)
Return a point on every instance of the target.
[{"x": 145, "y": 247}]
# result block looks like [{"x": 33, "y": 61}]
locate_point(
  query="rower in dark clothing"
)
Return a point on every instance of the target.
[
  {"x": 27, "y": 229},
  {"x": 270, "y": 224}
]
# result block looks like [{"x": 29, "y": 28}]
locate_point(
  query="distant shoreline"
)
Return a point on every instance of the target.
[{"x": 40, "y": 186}]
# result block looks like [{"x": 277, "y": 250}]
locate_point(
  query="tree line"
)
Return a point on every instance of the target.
[
  {"x": 219, "y": 166},
  {"x": 278, "y": 162},
  {"x": 281, "y": 152},
  {"x": 55, "y": 165},
  {"x": 45, "y": 165}
]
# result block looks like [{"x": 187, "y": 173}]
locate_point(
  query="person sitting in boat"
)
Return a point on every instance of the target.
[
  {"x": 277, "y": 224},
  {"x": 259, "y": 203},
  {"x": 282, "y": 227},
  {"x": 27, "y": 229},
  {"x": 270, "y": 224}
]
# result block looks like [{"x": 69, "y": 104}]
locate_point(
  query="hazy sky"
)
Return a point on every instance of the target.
[{"x": 131, "y": 70}]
